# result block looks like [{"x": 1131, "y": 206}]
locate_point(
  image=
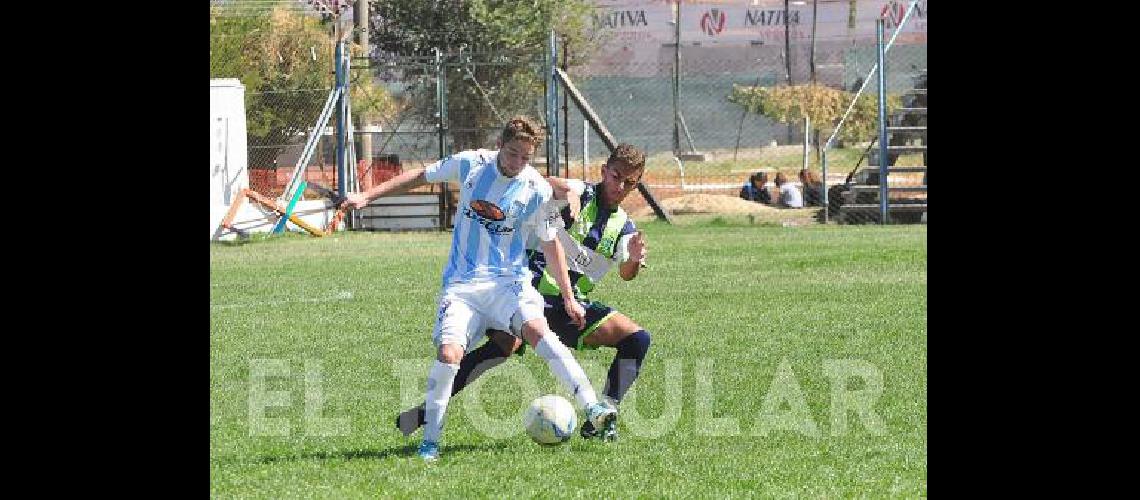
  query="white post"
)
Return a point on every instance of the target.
[
  {"x": 681, "y": 171},
  {"x": 807, "y": 139},
  {"x": 585, "y": 147}
]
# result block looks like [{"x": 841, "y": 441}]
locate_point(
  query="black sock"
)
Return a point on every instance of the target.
[
  {"x": 627, "y": 364},
  {"x": 485, "y": 357}
]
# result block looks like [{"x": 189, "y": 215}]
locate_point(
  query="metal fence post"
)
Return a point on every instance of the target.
[
  {"x": 677, "y": 82},
  {"x": 585, "y": 149},
  {"x": 883, "y": 160},
  {"x": 439, "y": 93},
  {"x": 823, "y": 197},
  {"x": 342, "y": 101},
  {"x": 552, "y": 106}
]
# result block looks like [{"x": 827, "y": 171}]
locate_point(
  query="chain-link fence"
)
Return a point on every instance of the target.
[
  {"x": 855, "y": 198},
  {"x": 283, "y": 54},
  {"x": 275, "y": 147},
  {"x": 699, "y": 141},
  {"x": 479, "y": 93},
  {"x": 696, "y": 138}
]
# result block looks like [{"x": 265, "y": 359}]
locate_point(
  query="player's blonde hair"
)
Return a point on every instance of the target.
[{"x": 521, "y": 128}]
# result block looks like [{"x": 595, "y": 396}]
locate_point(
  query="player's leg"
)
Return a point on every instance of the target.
[
  {"x": 632, "y": 344},
  {"x": 499, "y": 346},
  {"x": 604, "y": 326},
  {"x": 529, "y": 320},
  {"x": 457, "y": 324}
]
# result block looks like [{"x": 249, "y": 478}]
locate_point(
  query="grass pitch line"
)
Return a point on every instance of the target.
[{"x": 340, "y": 295}]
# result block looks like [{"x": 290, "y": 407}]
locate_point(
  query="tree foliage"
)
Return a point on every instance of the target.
[
  {"x": 493, "y": 51},
  {"x": 285, "y": 61},
  {"x": 823, "y": 105}
]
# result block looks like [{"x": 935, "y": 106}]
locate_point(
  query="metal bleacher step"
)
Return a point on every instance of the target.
[
  {"x": 906, "y": 148},
  {"x": 891, "y": 128},
  {"x": 408, "y": 211},
  {"x": 915, "y": 91},
  {"x": 874, "y": 207},
  {"x": 899, "y": 189},
  {"x": 916, "y": 111},
  {"x": 898, "y": 170}
]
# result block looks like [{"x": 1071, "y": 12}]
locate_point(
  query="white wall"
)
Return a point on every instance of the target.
[{"x": 228, "y": 174}]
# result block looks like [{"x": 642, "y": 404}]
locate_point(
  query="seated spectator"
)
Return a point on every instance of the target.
[
  {"x": 754, "y": 189},
  {"x": 790, "y": 196},
  {"x": 812, "y": 187}
]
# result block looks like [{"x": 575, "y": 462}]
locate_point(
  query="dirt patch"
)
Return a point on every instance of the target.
[
  {"x": 699, "y": 203},
  {"x": 702, "y": 207}
]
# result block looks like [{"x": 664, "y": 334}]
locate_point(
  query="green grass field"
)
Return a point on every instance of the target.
[{"x": 762, "y": 336}]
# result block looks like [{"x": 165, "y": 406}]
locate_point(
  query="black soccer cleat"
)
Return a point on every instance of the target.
[
  {"x": 588, "y": 431},
  {"x": 411, "y": 420}
]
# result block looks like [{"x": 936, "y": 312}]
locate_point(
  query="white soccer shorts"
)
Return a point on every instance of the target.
[{"x": 467, "y": 310}]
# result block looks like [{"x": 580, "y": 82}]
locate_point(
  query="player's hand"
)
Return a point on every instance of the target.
[
  {"x": 638, "y": 248},
  {"x": 354, "y": 200},
  {"x": 576, "y": 312}
]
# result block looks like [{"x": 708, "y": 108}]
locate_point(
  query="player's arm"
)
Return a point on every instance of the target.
[
  {"x": 409, "y": 179},
  {"x": 559, "y": 185},
  {"x": 637, "y": 251},
  {"x": 556, "y": 266},
  {"x": 569, "y": 190}
]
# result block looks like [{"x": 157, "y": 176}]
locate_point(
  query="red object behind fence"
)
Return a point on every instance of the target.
[{"x": 272, "y": 182}]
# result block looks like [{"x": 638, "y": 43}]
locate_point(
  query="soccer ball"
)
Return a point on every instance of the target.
[{"x": 550, "y": 419}]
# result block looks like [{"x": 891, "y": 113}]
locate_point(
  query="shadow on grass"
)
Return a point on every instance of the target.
[
  {"x": 245, "y": 238},
  {"x": 405, "y": 451}
]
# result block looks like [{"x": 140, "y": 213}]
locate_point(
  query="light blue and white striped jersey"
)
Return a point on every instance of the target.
[{"x": 495, "y": 218}]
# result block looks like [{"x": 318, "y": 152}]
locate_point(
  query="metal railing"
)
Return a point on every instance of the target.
[{"x": 882, "y": 50}]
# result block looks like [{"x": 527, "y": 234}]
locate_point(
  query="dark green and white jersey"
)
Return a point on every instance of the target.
[{"x": 594, "y": 242}]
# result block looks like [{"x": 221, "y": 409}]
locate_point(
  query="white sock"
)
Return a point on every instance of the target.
[
  {"x": 566, "y": 368},
  {"x": 441, "y": 376}
]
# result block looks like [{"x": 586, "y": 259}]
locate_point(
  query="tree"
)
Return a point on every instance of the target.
[
  {"x": 823, "y": 105},
  {"x": 505, "y": 40},
  {"x": 285, "y": 61}
]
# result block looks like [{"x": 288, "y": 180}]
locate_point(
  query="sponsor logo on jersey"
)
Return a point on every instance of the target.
[
  {"x": 487, "y": 210},
  {"x": 488, "y": 215}
]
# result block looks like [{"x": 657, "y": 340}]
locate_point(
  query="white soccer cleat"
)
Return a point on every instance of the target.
[{"x": 602, "y": 418}]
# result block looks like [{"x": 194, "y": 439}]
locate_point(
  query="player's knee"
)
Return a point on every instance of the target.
[
  {"x": 533, "y": 331},
  {"x": 451, "y": 354},
  {"x": 634, "y": 346}
]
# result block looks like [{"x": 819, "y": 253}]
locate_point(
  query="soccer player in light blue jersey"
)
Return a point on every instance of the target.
[
  {"x": 487, "y": 282},
  {"x": 597, "y": 236}
]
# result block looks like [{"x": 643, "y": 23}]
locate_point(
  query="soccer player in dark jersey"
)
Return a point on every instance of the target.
[{"x": 596, "y": 237}]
